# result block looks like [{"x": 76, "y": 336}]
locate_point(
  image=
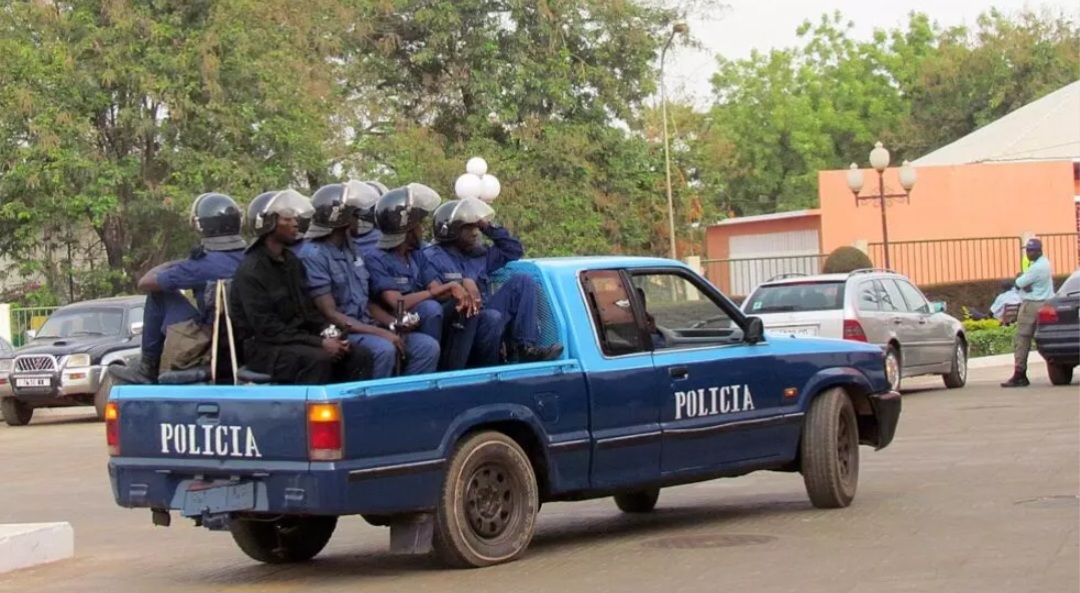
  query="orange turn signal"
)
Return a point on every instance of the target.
[
  {"x": 324, "y": 413},
  {"x": 791, "y": 392}
]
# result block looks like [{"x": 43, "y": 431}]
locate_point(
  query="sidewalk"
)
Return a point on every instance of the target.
[{"x": 1003, "y": 360}]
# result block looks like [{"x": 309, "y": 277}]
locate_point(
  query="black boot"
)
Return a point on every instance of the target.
[
  {"x": 146, "y": 373},
  {"x": 1019, "y": 379},
  {"x": 531, "y": 353}
]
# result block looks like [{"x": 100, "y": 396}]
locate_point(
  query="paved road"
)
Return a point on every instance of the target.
[{"x": 978, "y": 493}]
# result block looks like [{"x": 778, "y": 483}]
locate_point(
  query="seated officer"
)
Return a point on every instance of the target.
[
  {"x": 217, "y": 218},
  {"x": 458, "y": 255},
  {"x": 399, "y": 271},
  {"x": 338, "y": 281},
  {"x": 365, "y": 235},
  {"x": 279, "y": 329}
]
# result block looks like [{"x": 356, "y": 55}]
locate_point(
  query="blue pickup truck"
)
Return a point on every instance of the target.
[{"x": 663, "y": 381}]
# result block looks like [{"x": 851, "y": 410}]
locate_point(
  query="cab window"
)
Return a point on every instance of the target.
[
  {"x": 681, "y": 313},
  {"x": 617, "y": 330}
]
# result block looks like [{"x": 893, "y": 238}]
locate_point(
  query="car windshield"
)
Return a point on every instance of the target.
[
  {"x": 1070, "y": 286},
  {"x": 83, "y": 322},
  {"x": 796, "y": 297}
]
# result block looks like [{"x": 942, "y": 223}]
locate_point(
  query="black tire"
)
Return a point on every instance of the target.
[
  {"x": 15, "y": 412},
  {"x": 486, "y": 512},
  {"x": 830, "y": 450},
  {"x": 642, "y": 501},
  {"x": 284, "y": 540},
  {"x": 1060, "y": 374},
  {"x": 101, "y": 397},
  {"x": 957, "y": 376},
  {"x": 894, "y": 353}
]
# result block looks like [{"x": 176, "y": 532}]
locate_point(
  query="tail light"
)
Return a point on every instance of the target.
[
  {"x": 325, "y": 434},
  {"x": 112, "y": 428},
  {"x": 853, "y": 331},
  {"x": 1048, "y": 314}
]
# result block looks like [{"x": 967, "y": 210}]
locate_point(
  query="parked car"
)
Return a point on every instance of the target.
[
  {"x": 63, "y": 363},
  {"x": 1057, "y": 335},
  {"x": 876, "y": 306}
]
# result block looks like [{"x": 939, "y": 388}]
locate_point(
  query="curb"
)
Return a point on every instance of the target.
[
  {"x": 23, "y": 545},
  {"x": 1001, "y": 360}
]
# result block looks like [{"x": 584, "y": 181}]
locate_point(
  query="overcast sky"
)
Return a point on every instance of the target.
[{"x": 765, "y": 24}]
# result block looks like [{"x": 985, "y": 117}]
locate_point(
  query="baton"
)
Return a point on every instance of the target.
[{"x": 400, "y": 317}]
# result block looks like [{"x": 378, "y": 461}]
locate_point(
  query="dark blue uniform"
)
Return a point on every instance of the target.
[
  {"x": 340, "y": 272},
  {"x": 367, "y": 241},
  {"x": 515, "y": 303},
  {"x": 168, "y": 306}
]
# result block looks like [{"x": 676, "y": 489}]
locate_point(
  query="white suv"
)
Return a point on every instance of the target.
[{"x": 876, "y": 306}]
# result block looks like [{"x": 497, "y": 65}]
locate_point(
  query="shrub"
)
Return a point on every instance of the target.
[
  {"x": 990, "y": 341},
  {"x": 846, "y": 259},
  {"x": 970, "y": 325}
]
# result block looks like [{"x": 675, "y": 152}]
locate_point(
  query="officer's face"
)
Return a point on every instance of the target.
[
  {"x": 288, "y": 230},
  {"x": 470, "y": 237},
  {"x": 413, "y": 237}
]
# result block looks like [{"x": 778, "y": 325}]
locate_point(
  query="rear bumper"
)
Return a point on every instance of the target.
[
  {"x": 1059, "y": 344},
  {"x": 299, "y": 488},
  {"x": 887, "y": 411}
]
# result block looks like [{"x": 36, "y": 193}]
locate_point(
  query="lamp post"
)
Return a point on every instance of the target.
[
  {"x": 879, "y": 160},
  {"x": 678, "y": 27}
]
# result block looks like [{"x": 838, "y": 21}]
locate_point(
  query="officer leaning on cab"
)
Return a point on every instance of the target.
[
  {"x": 277, "y": 324},
  {"x": 217, "y": 218},
  {"x": 339, "y": 282}
]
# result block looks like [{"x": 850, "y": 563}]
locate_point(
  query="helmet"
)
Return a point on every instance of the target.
[
  {"x": 402, "y": 209},
  {"x": 337, "y": 205},
  {"x": 367, "y": 214},
  {"x": 216, "y": 215},
  {"x": 264, "y": 210},
  {"x": 448, "y": 219},
  {"x": 382, "y": 189}
]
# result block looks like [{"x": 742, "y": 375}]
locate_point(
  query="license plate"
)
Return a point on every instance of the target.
[
  {"x": 225, "y": 498},
  {"x": 33, "y": 382},
  {"x": 796, "y": 331}
]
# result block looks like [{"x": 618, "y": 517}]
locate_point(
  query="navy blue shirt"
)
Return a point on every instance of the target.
[
  {"x": 340, "y": 272},
  {"x": 195, "y": 274},
  {"x": 367, "y": 241},
  {"x": 452, "y": 265},
  {"x": 389, "y": 272}
]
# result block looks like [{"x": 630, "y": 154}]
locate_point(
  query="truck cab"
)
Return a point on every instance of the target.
[{"x": 663, "y": 381}]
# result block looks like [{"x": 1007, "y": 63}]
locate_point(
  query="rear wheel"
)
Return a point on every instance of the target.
[
  {"x": 893, "y": 367},
  {"x": 283, "y": 540},
  {"x": 15, "y": 412},
  {"x": 1060, "y": 374},
  {"x": 957, "y": 376},
  {"x": 642, "y": 501},
  {"x": 830, "y": 450}
]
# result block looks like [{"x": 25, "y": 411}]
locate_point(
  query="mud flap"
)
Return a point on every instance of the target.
[{"x": 412, "y": 534}]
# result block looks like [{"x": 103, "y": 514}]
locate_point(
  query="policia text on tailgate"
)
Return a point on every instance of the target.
[{"x": 662, "y": 381}]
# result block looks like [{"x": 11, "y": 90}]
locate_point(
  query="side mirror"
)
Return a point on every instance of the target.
[
  {"x": 31, "y": 334},
  {"x": 755, "y": 330},
  {"x": 937, "y": 307},
  {"x": 136, "y": 328}
]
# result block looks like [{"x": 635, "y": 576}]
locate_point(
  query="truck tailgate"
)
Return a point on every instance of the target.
[{"x": 212, "y": 424}]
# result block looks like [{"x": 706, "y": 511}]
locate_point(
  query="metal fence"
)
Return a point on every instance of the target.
[
  {"x": 1063, "y": 251},
  {"x": 737, "y": 277},
  {"x": 25, "y": 318},
  {"x": 945, "y": 261}
]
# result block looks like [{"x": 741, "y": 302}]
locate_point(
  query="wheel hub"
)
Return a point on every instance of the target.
[
  {"x": 843, "y": 448},
  {"x": 489, "y": 501},
  {"x": 961, "y": 363}
]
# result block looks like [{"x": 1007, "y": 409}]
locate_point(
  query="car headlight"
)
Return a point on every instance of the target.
[
  {"x": 77, "y": 361},
  {"x": 6, "y": 365}
]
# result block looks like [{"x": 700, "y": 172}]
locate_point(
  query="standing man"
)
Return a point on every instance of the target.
[
  {"x": 1036, "y": 287},
  {"x": 218, "y": 220},
  {"x": 339, "y": 281},
  {"x": 459, "y": 255},
  {"x": 278, "y": 326}
]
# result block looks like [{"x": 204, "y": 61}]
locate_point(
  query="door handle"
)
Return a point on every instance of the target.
[
  {"x": 679, "y": 373},
  {"x": 897, "y": 320}
]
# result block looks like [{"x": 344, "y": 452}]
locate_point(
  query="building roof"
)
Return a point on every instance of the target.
[
  {"x": 767, "y": 217},
  {"x": 1047, "y": 129}
]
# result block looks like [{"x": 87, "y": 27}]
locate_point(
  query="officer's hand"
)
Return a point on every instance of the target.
[
  {"x": 393, "y": 338},
  {"x": 335, "y": 348}
]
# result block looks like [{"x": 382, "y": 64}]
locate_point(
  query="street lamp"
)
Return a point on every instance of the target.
[
  {"x": 879, "y": 160},
  {"x": 678, "y": 27}
]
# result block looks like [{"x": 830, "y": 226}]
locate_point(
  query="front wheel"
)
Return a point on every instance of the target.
[
  {"x": 15, "y": 412},
  {"x": 101, "y": 397},
  {"x": 957, "y": 376},
  {"x": 487, "y": 509},
  {"x": 893, "y": 368},
  {"x": 1060, "y": 374},
  {"x": 830, "y": 450},
  {"x": 282, "y": 540}
]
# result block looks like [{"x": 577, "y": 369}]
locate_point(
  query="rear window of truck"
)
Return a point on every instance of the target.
[{"x": 796, "y": 297}]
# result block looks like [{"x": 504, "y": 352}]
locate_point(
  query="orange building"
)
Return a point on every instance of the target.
[{"x": 974, "y": 201}]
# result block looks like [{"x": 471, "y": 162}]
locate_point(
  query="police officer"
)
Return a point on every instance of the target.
[
  {"x": 338, "y": 282},
  {"x": 399, "y": 271},
  {"x": 459, "y": 255},
  {"x": 1036, "y": 286},
  {"x": 218, "y": 220},
  {"x": 365, "y": 236},
  {"x": 281, "y": 331}
]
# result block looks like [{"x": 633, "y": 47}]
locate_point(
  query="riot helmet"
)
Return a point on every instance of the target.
[
  {"x": 449, "y": 218},
  {"x": 338, "y": 205},
  {"x": 266, "y": 208},
  {"x": 403, "y": 209},
  {"x": 216, "y": 215},
  {"x": 379, "y": 186}
]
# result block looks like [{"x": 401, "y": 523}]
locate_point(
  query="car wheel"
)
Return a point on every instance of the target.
[
  {"x": 1060, "y": 374},
  {"x": 15, "y": 412},
  {"x": 830, "y": 450},
  {"x": 285, "y": 540},
  {"x": 957, "y": 376},
  {"x": 641, "y": 501},
  {"x": 894, "y": 369},
  {"x": 486, "y": 512},
  {"x": 101, "y": 397}
]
